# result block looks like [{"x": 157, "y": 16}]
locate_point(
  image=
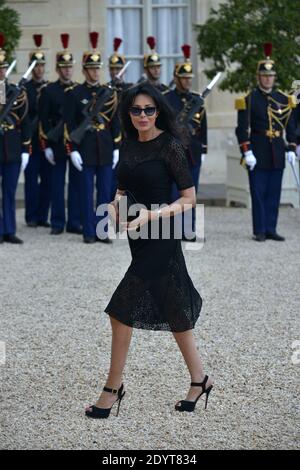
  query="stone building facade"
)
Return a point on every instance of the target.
[{"x": 135, "y": 19}]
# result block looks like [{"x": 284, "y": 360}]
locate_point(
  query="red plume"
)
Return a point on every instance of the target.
[
  {"x": 94, "y": 39},
  {"x": 65, "y": 40},
  {"x": 151, "y": 41},
  {"x": 2, "y": 40},
  {"x": 38, "y": 39},
  {"x": 117, "y": 43},
  {"x": 268, "y": 46},
  {"x": 186, "y": 49}
]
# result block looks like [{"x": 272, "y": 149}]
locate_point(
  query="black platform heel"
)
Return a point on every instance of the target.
[
  {"x": 102, "y": 413},
  {"x": 186, "y": 405}
]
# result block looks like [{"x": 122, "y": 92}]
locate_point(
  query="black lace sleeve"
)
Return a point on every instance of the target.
[{"x": 177, "y": 162}]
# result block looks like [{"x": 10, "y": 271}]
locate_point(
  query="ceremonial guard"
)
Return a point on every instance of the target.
[
  {"x": 192, "y": 116},
  {"x": 117, "y": 67},
  {"x": 15, "y": 142},
  {"x": 152, "y": 66},
  {"x": 38, "y": 171},
  {"x": 93, "y": 133},
  {"x": 296, "y": 93},
  {"x": 264, "y": 116},
  {"x": 51, "y": 110}
]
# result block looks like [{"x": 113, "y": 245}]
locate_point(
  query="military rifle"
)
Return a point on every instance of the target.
[
  {"x": 13, "y": 96},
  {"x": 193, "y": 105},
  {"x": 91, "y": 113}
]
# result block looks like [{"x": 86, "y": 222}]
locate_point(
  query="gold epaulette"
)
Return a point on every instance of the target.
[
  {"x": 71, "y": 87},
  {"x": 292, "y": 101},
  {"x": 240, "y": 103}
]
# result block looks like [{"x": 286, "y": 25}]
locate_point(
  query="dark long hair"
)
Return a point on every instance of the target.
[{"x": 166, "y": 120}]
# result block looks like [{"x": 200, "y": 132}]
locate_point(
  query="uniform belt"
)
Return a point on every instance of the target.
[
  {"x": 100, "y": 126},
  {"x": 5, "y": 127},
  {"x": 269, "y": 133}
]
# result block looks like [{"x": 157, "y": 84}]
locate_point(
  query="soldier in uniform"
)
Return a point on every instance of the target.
[
  {"x": 152, "y": 67},
  {"x": 38, "y": 172},
  {"x": 180, "y": 99},
  {"x": 15, "y": 142},
  {"x": 296, "y": 92},
  {"x": 93, "y": 156},
  {"x": 263, "y": 117},
  {"x": 116, "y": 63},
  {"x": 51, "y": 110}
]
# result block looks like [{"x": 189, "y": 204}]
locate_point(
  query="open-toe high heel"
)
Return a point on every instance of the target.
[
  {"x": 187, "y": 405},
  {"x": 101, "y": 413}
]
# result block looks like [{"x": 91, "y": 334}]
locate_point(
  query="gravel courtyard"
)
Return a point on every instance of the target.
[{"x": 53, "y": 292}]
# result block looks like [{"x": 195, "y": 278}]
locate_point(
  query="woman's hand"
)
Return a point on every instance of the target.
[{"x": 142, "y": 219}]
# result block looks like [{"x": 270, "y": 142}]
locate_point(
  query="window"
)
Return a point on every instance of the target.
[{"x": 133, "y": 20}]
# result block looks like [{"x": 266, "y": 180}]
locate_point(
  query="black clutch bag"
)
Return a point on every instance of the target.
[{"x": 124, "y": 208}]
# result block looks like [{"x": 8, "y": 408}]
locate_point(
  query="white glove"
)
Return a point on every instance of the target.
[
  {"x": 25, "y": 160},
  {"x": 203, "y": 157},
  {"x": 115, "y": 158},
  {"x": 50, "y": 155},
  {"x": 250, "y": 159},
  {"x": 291, "y": 157},
  {"x": 76, "y": 160},
  {"x": 298, "y": 151}
]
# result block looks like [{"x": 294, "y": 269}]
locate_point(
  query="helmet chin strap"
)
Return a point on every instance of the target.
[
  {"x": 63, "y": 80},
  {"x": 155, "y": 80},
  {"x": 90, "y": 81},
  {"x": 266, "y": 90},
  {"x": 179, "y": 85}
]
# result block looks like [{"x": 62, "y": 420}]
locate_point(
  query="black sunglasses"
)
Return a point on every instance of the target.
[{"x": 137, "y": 111}]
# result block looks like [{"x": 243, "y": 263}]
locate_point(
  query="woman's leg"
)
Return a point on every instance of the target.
[
  {"x": 187, "y": 345},
  {"x": 121, "y": 337}
]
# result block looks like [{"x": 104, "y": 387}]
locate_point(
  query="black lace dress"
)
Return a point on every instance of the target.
[{"x": 156, "y": 292}]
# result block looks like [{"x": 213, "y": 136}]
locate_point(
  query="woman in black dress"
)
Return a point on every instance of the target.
[{"x": 156, "y": 292}]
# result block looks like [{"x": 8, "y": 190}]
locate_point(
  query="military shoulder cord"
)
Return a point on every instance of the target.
[
  {"x": 249, "y": 115},
  {"x": 280, "y": 115},
  {"x": 21, "y": 101}
]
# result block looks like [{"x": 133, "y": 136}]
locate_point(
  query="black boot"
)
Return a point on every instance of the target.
[
  {"x": 89, "y": 240},
  {"x": 104, "y": 240},
  {"x": 76, "y": 230},
  {"x": 43, "y": 224},
  {"x": 56, "y": 231},
  {"x": 275, "y": 236},
  {"x": 32, "y": 224},
  {"x": 12, "y": 239},
  {"x": 259, "y": 237}
]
